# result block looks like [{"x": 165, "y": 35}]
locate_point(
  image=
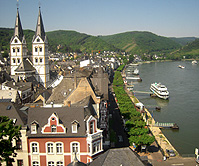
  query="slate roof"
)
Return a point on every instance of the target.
[
  {"x": 18, "y": 31},
  {"x": 66, "y": 116},
  {"x": 21, "y": 86},
  {"x": 118, "y": 156},
  {"x": 40, "y": 28},
  {"x": 60, "y": 93},
  {"x": 25, "y": 66},
  {"x": 13, "y": 112}
]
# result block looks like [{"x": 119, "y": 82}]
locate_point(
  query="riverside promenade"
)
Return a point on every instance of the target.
[{"x": 161, "y": 140}]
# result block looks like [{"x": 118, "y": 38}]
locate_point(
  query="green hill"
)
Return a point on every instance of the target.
[
  {"x": 183, "y": 40},
  {"x": 75, "y": 41},
  {"x": 191, "y": 50},
  {"x": 141, "y": 42},
  {"x": 67, "y": 40}
]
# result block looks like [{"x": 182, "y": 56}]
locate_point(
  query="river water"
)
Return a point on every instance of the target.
[{"x": 183, "y": 104}]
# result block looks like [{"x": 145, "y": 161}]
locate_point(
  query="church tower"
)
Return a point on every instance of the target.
[
  {"x": 18, "y": 48},
  {"x": 40, "y": 53}
]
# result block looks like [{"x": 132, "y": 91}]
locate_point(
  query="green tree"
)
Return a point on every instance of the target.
[{"x": 8, "y": 132}]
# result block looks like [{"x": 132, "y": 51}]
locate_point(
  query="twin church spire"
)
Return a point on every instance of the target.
[
  {"x": 40, "y": 27},
  {"x": 18, "y": 31},
  {"x": 36, "y": 64}
]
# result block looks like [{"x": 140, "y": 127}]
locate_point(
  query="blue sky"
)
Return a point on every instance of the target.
[{"x": 170, "y": 18}]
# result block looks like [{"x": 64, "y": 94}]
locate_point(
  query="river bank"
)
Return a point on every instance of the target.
[{"x": 160, "y": 138}]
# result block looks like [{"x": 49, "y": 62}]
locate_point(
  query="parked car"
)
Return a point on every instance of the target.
[{"x": 170, "y": 152}]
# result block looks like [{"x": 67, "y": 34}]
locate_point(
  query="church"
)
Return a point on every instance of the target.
[{"x": 37, "y": 64}]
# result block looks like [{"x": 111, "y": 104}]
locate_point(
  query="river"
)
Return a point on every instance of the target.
[{"x": 183, "y": 104}]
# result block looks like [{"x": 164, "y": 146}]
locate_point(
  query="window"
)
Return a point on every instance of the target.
[
  {"x": 33, "y": 129},
  {"x": 40, "y": 49},
  {"x": 35, "y": 163},
  {"x": 19, "y": 144},
  {"x": 92, "y": 127},
  {"x": 19, "y": 162},
  {"x": 35, "y": 49},
  {"x": 13, "y": 49},
  {"x": 59, "y": 163},
  {"x": 14, "y": 60},
  {"x": 59, "y": 148},
  {"x": 74, "y": 128},
  {"x": 36, "y": 60},
  {"x": 89, "y": 148},
  {"x": 40, "y": 60},
  {"x": 18, "y": 60},
  {"x": 51, "y": 163},
  {"x": 38, "y": 40},
  {"x": 53, "y": 129},
  {"x": 75, "y": 147},
  {"x": 50, "y": 148},
  {"x": 18, "y": 50},
  {"x": 16, "y": 41},
  {"x": 34, "y": 148}
]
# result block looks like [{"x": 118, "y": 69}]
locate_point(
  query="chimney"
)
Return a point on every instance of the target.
[{"x": 69, "y": 103}]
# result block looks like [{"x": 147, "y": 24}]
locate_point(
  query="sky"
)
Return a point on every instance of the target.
[{"x": 169, "y": 18}]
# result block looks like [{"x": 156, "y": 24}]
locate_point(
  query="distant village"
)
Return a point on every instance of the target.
[{"x": 61, "y": 101}]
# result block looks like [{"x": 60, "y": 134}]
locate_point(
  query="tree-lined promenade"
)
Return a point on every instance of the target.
[{"x": 137, "y": 130}]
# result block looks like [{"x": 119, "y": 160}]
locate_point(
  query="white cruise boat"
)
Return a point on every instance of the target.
[
  {"x": 194, "y": 62},
  {"x": 159, "y": 90}
]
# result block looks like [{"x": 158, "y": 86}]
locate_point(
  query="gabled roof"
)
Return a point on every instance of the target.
[
  {"x": 18, "y": 31},
  {"x": 66, "y": 116},
  {"x": 9, "y": 109},
  {"x": 118, "y": 156},
  {"x": 25, "y": 66},
  {"x": 40, "y": 27},
  {"x": 21, "y": 86}
]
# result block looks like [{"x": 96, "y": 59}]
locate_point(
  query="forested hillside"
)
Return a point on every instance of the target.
[
  {"x": 183, "y": 40},
  {"x": 189, "y": 51},
  {"x": 66, "y": 40},
  {"x": 75, "y": 41},
  {"x": 141, "y": 42}
]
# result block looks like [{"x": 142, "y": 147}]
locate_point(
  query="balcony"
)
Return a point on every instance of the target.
[{"x": 95, "y": 136}]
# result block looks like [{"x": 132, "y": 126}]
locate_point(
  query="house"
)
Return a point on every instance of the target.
[
  {"x": 11, "y": 94},
  {"x": 24, "y": 89},
  {"x": 58, "y": 133},
  {"x": 12, "y": 111}
]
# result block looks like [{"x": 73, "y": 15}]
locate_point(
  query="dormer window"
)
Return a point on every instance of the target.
[
  {"x": 53, "y": 129},
  {"x": 16, "y": 41},
  {"x": 75, "y": 126},
  {"x": 53, "y": 126},
  {"x": 34, "y": 128},
  {"x": 38, "y": 40}
]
